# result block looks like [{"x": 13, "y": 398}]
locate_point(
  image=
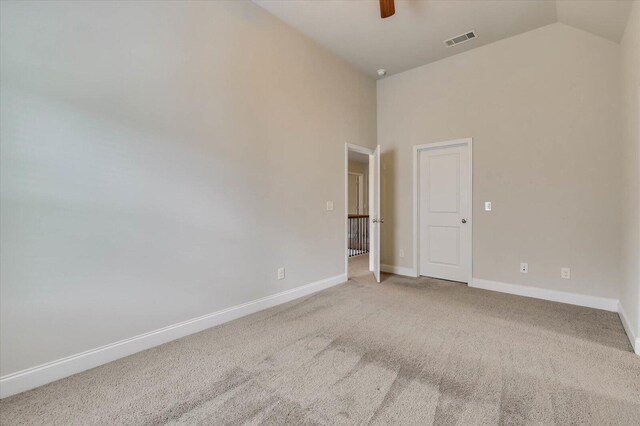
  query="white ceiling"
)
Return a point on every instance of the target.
[{"x": 414, "y": 36}]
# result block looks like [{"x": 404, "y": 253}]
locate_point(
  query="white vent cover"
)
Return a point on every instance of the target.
[{"x": 460, "y": 39}]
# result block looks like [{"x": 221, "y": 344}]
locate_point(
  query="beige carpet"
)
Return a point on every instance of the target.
[{"x": 407, "y": 351}]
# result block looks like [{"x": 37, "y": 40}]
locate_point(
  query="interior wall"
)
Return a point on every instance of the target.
[
  {"x": 363, "y": 169},
  {"x": 630, "y": 294},
  {"x": 543, "y": 109},
  {"x": 160, "y": 160}
]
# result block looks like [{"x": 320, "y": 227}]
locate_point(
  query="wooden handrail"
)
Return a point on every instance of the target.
[{"x": 357, "y": 216}]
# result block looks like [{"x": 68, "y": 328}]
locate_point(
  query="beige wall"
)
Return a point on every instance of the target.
[
  {"x": 357, "y": 167},
  {"x": 543, "y": 109},
  {"x": 630, "y": 294},
  {"x": 159, "y": 161}
]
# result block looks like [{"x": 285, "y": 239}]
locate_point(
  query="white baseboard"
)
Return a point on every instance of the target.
[
  {"x": 603, "y": 303},
  {"x": 635, "y": 340},
  {"x": 398, "y": 270},
  {"x": 21, "y": 381}
]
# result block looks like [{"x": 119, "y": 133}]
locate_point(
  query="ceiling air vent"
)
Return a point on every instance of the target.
[{"x": 460, "y": 39}]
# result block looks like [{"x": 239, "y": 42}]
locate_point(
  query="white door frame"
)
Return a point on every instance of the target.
[
  {"x": 367, "y": 151},
  {"x": 416, "y": 199}
]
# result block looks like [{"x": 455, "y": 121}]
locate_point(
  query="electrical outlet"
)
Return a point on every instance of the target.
[
  {"x": 487, "y": 206},
  {"x": 565, "y": 273},
  {"x": 524, "y": 268},
  {"x": 281, "y": 273},
  {"x": 329, "y": 205},
  {"x": 401, "y": 253}
]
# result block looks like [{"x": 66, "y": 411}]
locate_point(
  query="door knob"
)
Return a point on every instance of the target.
[
  {"x": 464, "y": 220},
  {"x": 378, "y": 220}
]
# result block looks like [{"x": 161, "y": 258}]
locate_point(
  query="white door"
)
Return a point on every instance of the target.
[
  {"x": 444, "y": 187},
  {"x": 374, "y": 212}
]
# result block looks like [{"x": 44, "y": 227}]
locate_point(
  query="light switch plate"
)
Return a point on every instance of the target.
[
  {"x": 565, "y": 273},
  {"x": 487, "y": 206},
  {"x": 329, "y": 205},
  {"x": 281, "y": 273}
]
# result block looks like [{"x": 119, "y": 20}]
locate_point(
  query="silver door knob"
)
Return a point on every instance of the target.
[
  {"x": 464, "y": 220},
  {"x": 378, "y": 220}
]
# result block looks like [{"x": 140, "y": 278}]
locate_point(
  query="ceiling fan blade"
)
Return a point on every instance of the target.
[{"x": 387, "y": 8}]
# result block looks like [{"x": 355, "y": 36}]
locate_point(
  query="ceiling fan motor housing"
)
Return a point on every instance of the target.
[{"x": 387, "y": 8}]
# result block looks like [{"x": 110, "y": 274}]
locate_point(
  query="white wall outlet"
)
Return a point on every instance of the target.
[
  {"x": 487, "y": 206},
  {"x": 401, "y": 253},
  {"x": 281, "y": 273},
  {"x": 329, "y": 206},
  {"x": 524, "y": 268},
  {"x": 565, "y": 273}
]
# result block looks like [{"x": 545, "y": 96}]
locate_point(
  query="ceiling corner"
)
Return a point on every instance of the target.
[{"x": 606, "y": 19}]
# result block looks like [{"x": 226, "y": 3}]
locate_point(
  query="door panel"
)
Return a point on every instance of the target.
[
  {"x": 445, "y": 243},
  {"x": 374, "y": 215},
  {"x": 444, "y": 185},
  {"x": 444, "y": 192}
]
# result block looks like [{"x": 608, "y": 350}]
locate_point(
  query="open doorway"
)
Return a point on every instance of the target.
[
  {"x": 362, "y": 224},
  {"x": 358, "y": 241}
]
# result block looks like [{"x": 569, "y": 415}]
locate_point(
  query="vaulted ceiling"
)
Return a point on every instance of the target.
[{"x": 414, "y": 35}]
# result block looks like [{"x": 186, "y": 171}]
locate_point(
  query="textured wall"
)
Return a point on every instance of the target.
[
  {"x": 543, "y": 109},
  {"x": 630, "y": 295},
  {"x": 159, "y": 161}
]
